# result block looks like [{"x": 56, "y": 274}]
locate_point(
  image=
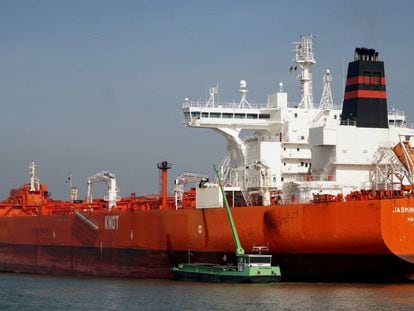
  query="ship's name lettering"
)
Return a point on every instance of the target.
[
  {"x": 403, "y": 210},
  {"x": 111, "y": 222}
]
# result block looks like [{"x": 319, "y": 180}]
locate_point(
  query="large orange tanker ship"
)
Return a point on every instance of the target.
[{"x": 320, "y": 226}]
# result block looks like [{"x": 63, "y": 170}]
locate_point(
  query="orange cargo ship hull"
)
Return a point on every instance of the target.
[{"x": 357, "y": 240}]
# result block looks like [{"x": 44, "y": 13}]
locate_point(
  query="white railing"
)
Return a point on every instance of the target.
[
  {"x": 237, "y": 178},
  {"x": 396, "y": 113},
  {"x": 310, "y": 178},
  {"x": 233, "y": 105}
]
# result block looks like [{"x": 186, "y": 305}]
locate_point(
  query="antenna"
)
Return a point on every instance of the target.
[
  {"x": 305, "y": 58},
  {"x": 243, "y": 91},
  {"x": 326, "y": 98},
  {"x": 212, "y": 92},
  {"x": 69, "y": 180}
]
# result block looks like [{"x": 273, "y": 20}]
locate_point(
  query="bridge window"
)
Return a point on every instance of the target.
[
  {"x": 228, "y": 115},
  {"x": 264, "y": 116},
  {"x": 204, "y": 114},
  {"x": 240, "y": 116},
  {"x": 215, "y": 115},
  {"x": 195, "y": 114},
  {"x": 251, "y": 116}
]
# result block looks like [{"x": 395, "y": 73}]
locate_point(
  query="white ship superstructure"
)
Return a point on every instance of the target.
[{"x": 299, "y": 149}]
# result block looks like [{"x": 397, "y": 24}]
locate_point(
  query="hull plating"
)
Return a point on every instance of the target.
[
  {"x": 130, "y": 263},
  {"x": 362, "y": 240}
]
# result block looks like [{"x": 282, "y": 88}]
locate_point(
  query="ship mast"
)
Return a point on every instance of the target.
[
  {"x": 73, "y": 191},
  {"x": 305, "y": 58},
  {"x": 326, "y": 98},
  {"x": 34, "y": 181}
]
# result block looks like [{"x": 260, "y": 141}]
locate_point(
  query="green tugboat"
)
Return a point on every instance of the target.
[{"x": 250, "y": 268}]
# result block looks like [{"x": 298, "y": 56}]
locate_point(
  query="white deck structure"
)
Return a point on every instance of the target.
[{"x": 296, "y": 149}]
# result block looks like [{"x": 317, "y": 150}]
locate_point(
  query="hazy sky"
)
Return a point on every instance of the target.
[{"x": 92, "y": 85}]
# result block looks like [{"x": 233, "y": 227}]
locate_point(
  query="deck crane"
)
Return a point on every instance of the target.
[
  {"x": 182, "y": 180},
  {"x": 110, "y": 180}
]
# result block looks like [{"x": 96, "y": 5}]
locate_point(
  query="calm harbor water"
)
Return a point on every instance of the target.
[{"x": 33, "y": 292}]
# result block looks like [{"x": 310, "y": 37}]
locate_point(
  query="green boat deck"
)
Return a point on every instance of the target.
[{"x": 251, "y": 268}]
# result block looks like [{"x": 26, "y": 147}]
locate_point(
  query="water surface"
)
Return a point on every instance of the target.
[{"x": 33, "y": 292}]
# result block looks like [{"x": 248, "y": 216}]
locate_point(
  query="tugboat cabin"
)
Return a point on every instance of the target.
[{"x": 254, "y": 260}]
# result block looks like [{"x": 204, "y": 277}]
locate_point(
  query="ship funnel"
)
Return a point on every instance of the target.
[{"x": 365, "y": 99}]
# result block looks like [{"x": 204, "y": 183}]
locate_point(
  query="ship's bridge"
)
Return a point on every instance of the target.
[
  {"x": 240, "y": 115},
  {"x": 255, "y": 117},
  {"x": 231, "y": 118}
]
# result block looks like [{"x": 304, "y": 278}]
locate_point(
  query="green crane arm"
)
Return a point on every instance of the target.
[{"x": 239, "y": 248}]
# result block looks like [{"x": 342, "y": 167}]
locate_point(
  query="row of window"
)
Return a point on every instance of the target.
[
  {"x": 396, "y": 122},
  {"x": 226, "y": 115}
]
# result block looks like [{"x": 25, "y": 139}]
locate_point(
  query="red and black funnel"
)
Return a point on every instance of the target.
[{"x": 365, "y": 99}]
